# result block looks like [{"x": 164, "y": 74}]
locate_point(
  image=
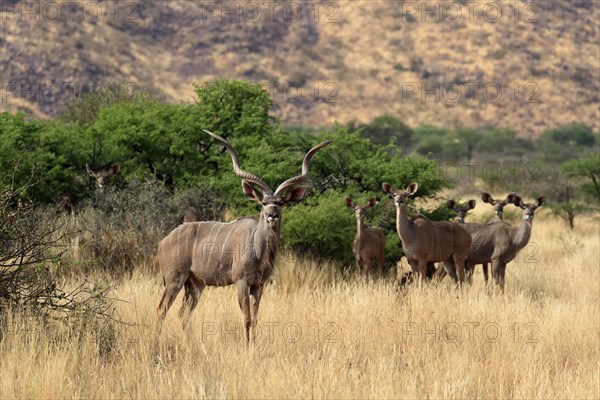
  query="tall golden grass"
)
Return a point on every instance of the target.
[{"x": 323, "y": 335}]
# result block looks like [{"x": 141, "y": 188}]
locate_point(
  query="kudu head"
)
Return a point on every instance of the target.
[
  {"x": 360, "y": 210},
  {"x": 400, "y": 195},
  {"x": 102, "y": 177},
  {"x": 290, "y": 191},
  {"x": 461, "y": 211},
  {"x": 528, "y": 209},
  {"x": 498, "y": 204}
]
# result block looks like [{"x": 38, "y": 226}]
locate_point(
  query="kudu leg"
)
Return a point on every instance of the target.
[
  {"x": 193, "y": 291},
  {"x": 255, "y": 295},
  {"x": 459, "y": 263},
  {"x": 422, "y": 272},
  {"x": 469, "y": 272},
  {"x": 449, "y": 268},
  {"x": 485, "y": 272},
  {"x": 367, "y": 269},
  {"x": 244, "y": 302},
  {"x": 435, "y": 274},
  {"x": 173, "y": 285},
  {"x": 498, "y": 271},
  {"x": 380, "y": 268}
]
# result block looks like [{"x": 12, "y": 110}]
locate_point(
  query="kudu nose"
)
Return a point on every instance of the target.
[{"x": 272, "y": 218}]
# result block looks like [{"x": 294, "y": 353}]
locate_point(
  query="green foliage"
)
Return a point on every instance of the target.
[
  {"x": 428, "y": 140},
  {"x": 566, "y": 142},
  {"x": 387, "y": 129},
  {"x": 142, "y": 137},
  {"x": 233, "y": 108},
  {"x": 588, "y": 170},
  {"x": 573, "y": 134},
  {"x": 85, "y": 109},
  {"x": 352, "y": 165},
  {"x": 321, "y": 226},
  {"x": 51, "y": 150},
  {"x": 504, "y": 143},
  {"x": 355, "y": 164}
]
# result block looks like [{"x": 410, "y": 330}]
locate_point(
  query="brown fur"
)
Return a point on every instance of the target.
[
  {"x": 425, "y": 241},
  {"x": 499, "y": 243},
  {"x": 241, "y": 252},
  {"x": 473, "y": 227},
  {"x": 369, "y": 242}
]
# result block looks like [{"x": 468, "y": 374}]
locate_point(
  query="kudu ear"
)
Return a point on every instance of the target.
[
  {"x": 372, "y": 202},
  {"x": 451, "y": 204},
  {"x": 518, "y": 201},
  {"x": 487, "y": 198},
  {"x": 387, "y": 188},
  {"x": 115, "y": 169},
  {"x": 472, "y": 204},
  {"x": 510, "y": 198},
  {"x": 295, "y": 195},
  {"x": 251, "y": 193},
  {"x": 540, "y": 201},
  {"x": 412, "y": 188},
  {"x": 349, "y": 202}
]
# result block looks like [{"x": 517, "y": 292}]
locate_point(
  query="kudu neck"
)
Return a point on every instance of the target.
[
  {"x": 360, "y": 225},
  {"x": 403, "y": 224},
  {"x": 266, "y": 242},
  {"x": 522, "y": 233}
]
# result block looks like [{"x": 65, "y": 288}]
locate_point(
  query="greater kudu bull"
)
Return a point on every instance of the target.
[{"x": 241, "y": 252}]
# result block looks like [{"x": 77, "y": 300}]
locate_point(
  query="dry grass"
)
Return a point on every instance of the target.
[{"x": 325, "y": 336}]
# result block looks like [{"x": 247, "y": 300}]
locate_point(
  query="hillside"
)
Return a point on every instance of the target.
[{"x": 530, "y": 66}]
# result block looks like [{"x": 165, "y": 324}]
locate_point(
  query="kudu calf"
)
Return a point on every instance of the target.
[
  {"x": 102, "y": 178},
  {"x": 369, "y": 242},
  {"x": 242, "y": 252},
  {"x": 425, "y": 241},
  {"x": 498, "y": 243}
]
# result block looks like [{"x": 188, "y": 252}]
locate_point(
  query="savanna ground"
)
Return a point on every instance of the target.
[{"x": 324, "y": 335}]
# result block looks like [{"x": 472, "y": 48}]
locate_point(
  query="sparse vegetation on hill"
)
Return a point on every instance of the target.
[{"x": 344, "y": 61}]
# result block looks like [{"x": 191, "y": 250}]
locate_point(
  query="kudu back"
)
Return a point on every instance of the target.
[{"x": 241, "y": 252}]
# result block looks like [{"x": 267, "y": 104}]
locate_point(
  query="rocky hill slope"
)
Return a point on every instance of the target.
[{"x": 523, "y": 64}]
